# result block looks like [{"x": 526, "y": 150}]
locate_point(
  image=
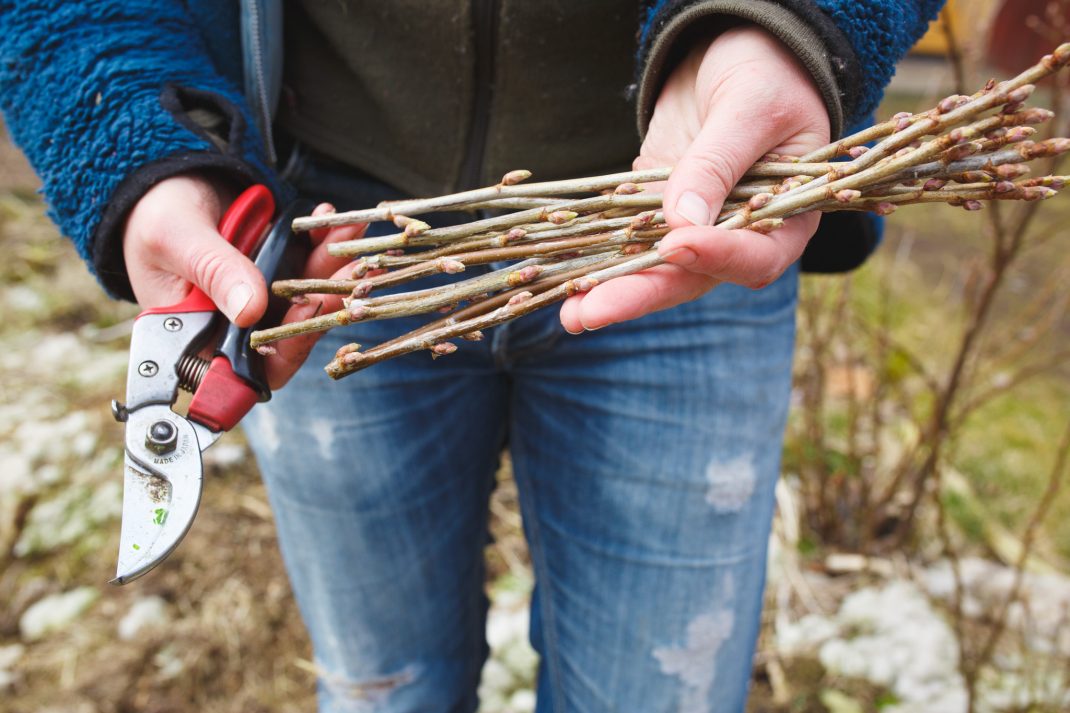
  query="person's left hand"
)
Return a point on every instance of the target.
[{"x": 725, "y": 106}]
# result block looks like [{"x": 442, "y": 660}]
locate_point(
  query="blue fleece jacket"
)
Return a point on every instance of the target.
[
  {"x": 103, "y": 96},
  {"x": 96, "y": 93}
]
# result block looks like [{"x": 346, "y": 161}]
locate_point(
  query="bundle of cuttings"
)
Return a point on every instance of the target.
[{"x": 560, "y": 238}]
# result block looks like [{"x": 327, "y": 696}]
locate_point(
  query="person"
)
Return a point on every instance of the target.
[{"x": 645, "y": 454}]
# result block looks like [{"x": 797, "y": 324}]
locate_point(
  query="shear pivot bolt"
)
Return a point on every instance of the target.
[
  {"x": 172, "y": 324},
  {"x": 162, "y": 437},
  {"x": 147, "y": 368}
]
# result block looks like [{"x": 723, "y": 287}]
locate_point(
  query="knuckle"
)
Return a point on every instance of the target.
[
  {"x": 208, "y": 268},
  {"x": 717, "y": 168}
]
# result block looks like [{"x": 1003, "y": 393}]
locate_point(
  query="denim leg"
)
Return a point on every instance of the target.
[
  {"x": 646, "y": 455},
  {"x": 379, "y": 484}
]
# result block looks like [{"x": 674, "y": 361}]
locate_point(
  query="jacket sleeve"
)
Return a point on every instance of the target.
[
  {"x": 107, "y": 98},
  {"x": 850, "y": 47}
]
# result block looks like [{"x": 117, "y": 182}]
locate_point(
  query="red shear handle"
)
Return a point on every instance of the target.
[{"x": 242, "y": 225}]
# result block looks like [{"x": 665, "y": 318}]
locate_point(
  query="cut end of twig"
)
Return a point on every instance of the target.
[
  {"x": 266, "y": 350},
  {"x": 514, "y": 177}
]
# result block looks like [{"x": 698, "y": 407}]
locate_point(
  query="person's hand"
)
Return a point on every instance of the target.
[
  {"x": 172, "y": 242},
  {"x": 726, "y": 105}
]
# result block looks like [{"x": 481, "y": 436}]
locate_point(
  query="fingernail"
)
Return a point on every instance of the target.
[
  {"x": 237, "y": 299},
  {"x": 680, "y": 256},
  {"x": 693, "y": 208},
  {"x": 580, "y": 331},
  {"x": 594, "y": 329}
]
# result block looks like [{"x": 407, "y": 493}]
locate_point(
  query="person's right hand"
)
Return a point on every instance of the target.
[{"x": 171, "y": 242}]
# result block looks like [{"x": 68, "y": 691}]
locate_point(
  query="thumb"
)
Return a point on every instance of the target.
[
  {"x": 228, "y": 277},
  {"x": 716, "y": 160}
]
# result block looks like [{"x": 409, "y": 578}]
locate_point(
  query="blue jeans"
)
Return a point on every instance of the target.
[{"x": 645, "y": 455}]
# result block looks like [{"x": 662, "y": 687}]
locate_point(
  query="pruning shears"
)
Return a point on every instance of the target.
[{"x": 191, "y": 346}]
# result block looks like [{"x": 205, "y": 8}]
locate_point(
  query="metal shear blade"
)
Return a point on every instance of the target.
[{"x": 162, "y": 485}]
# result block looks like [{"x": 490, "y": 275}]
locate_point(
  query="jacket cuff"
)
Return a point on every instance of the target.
[
  {"x": 106, "y": 256},
  {"x": 821, "y": 48}
]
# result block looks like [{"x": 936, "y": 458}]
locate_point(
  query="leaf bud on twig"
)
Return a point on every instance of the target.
[
  {"x": 346, "y": 349},
  {"x": 642, "y": 220},
  {"x": 1008, "y": 171},
  {"x": 355, "y": 310},
  {"x": 416, "y": 227},
  {"x": 519, "y": 298},
  {"x": 515, "y": 234},
  {"x": 514, "y": 177},
  {"x": 1020, "y": 94},
  {"x": 524, "y": 275},
  {"x": 449, "y": 265},
  {"x": 442, "y": 349},
  {"x": 766, "y": 226},
  {"x": 857, "y": 151},
  {"x": 847, "y": 195},
  {"x": 1004, "y": 187},
  {"x": 1037, "y": 193},
  {"x": 951, "y": 103},
  {"x": 362, "y": 289},
  {"x": 885, "y": 208},
  {"x": 972, "y": 205},
  {"x": 934, "y": 184},
  {"x": 759, "y": 201},
  {"x": 627, "y": 189},
  {"x": 560, "y": 217},
  {"x": 476, "y": 336},
  {"x": 584, "y": 284},
  {"x": 300, "y": 300}
]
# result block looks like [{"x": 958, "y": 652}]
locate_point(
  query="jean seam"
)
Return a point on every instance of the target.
[{"x": 538, "y": 558}]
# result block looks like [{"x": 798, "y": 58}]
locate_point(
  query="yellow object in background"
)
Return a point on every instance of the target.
[{"x": 964, "y": 15}]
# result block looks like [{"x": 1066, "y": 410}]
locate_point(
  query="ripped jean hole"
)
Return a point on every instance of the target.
[{"x": 373, "y": 690}]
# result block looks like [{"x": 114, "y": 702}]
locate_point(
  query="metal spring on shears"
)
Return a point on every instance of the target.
[{"x": 191, "y": 370}]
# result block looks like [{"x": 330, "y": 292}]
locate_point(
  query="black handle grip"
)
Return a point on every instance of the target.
[{"x": 282, "y": 257}]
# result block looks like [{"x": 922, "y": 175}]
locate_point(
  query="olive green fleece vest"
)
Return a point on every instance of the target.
[{"x": 441, "y": 95}]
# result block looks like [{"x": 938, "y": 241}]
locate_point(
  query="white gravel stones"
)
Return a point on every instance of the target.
[
  {"x": 145, "y": 614},
  {"x": 9, "y": 656},
  {"x": 55, "y": 612}
]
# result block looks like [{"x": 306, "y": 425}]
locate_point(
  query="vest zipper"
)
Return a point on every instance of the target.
[
  {"x": 485, "y": 15},
  {"x": 261, "y": 85}
]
